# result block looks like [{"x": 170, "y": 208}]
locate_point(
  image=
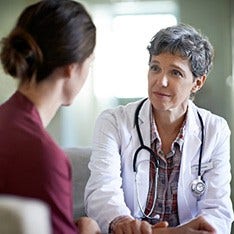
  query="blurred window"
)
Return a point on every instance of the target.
[{"x": 121, "y": 63}]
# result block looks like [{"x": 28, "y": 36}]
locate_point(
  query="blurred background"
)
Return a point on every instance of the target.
[{"x": 119, "y": 72}]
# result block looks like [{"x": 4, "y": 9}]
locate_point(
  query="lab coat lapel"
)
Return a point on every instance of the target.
[
  {"x": 144, "y": 122},
  {"x": 192, "y": 141},
  {"x": 190, "y": 156},
  {"x": 143, "y": 157}
]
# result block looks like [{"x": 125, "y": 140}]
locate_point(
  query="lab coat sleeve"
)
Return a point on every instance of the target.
[
  {"x": 104, "y": 198},
  {"x": 216, "y": 205}
]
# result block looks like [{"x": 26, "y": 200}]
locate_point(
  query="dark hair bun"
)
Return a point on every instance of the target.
[
  {"x": 20, "y": 54},
  {"x": 48, "y": 34}
]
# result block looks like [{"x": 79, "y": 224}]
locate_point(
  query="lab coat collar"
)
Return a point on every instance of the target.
[
  {"x": 192, "y": 141},
  {"x": 144, "y": 122},
  {"x": 193, "y": 123},
  {"x": 192, "y": 128}
]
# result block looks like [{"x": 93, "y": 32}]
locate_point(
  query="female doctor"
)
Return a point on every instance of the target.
[{"x": 163, "y": 158}]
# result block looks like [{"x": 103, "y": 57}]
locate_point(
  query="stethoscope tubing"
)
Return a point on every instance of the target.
[
  {"x": 202, "y": 142},
  {"x": 143, "y": 146}
]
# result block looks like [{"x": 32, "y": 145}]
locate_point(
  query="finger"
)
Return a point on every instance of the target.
[
  {"x": 122, "y": 225},
  {"x": 199, "y": 232},
  {"x": 193, "y": 231},
  {"x": 125, "y": 227},
  {"x": 204, "y": 225},
  {"x": 118, "y": 230},
  {"x": 162, "y": 224},
  {"x": 146, "y": 228},
  {"x": 136, "y": 227},
  {"x": 207, "y": 227}
]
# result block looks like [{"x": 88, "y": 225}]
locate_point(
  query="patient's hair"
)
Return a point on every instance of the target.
[
  {"x": 185, "y": 41},
  {"x": 47, "y": 35}
]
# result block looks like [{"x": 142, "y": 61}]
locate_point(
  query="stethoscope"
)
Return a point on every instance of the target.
[{"x": 198, "y": 185}]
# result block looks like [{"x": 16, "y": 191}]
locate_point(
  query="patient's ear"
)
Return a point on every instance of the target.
[
  {"x": 198, "y": 83},
  {"x": 69, "y": 69}
]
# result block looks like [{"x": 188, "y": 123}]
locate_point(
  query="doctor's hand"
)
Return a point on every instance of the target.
[
  {"x": 129, "y": 225},
  {"x": 126, "y": 224},
  {"x": 195, "y": 226},
  {"x": 198, "y": 225}
]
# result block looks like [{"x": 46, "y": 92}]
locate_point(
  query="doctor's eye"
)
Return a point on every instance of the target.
[
  {"x": 154, "y": 68},
  {"x": 176, "y": 73}
]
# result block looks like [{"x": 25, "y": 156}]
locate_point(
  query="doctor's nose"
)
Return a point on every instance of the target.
[{"x": 162, "y": 80}]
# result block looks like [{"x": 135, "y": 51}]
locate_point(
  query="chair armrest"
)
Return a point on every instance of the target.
[
  {"x": 23, "y": 216},
  {"x": 79, "y": 158}
]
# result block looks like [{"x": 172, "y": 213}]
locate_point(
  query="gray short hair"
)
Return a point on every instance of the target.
[{"x": 185, "y": 41}]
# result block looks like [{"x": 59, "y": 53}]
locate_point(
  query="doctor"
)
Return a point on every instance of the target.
[{"x": 163, "y": 158}]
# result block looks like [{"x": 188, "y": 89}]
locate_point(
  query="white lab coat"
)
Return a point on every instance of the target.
[{"x": 111, "y": 189}]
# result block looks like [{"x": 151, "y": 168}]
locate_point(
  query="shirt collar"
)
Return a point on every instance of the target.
[{"x": 155, "y": 135}]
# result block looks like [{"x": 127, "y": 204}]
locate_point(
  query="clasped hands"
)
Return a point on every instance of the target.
[{"x": 128, "y": 225}]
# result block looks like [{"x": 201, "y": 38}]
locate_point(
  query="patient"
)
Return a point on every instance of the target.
[{"x": 49, "y": 51}]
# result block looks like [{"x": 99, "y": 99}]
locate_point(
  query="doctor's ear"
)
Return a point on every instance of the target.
[{"x": 198, "y": 83}]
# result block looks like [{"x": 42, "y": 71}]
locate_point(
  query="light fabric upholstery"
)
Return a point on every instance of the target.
[
  {"x": 23, "y": 216},
  {"x": 79, "y": 158},
  {"x": 28, "y": 216}
]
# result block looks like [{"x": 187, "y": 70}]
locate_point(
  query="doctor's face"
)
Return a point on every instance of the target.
[{"x": 170, "y": 82}]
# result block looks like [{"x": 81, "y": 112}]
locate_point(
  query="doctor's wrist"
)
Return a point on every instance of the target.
[{"x": 114, "y": 223}]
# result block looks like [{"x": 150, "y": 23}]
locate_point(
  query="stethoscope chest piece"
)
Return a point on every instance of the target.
[{"x": 198, "y": 187}]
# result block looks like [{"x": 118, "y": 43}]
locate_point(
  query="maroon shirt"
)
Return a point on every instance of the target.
[{"x": 31, "y": 163}]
